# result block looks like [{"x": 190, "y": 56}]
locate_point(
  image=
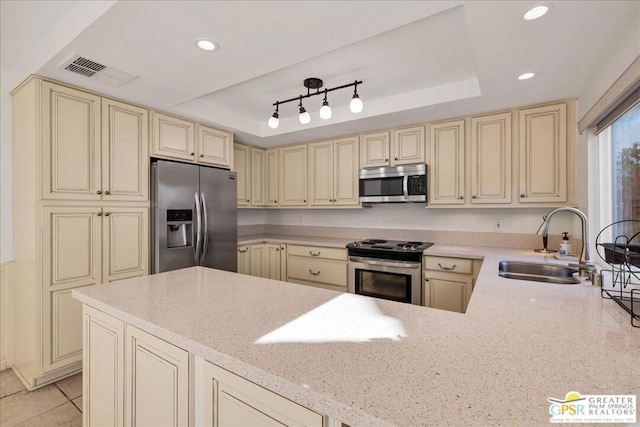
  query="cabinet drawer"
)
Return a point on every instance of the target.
[
  {"x": 317, "y": 270},
  {"x": 318, "y": 252},
  {"x": 449, "y": 264}
]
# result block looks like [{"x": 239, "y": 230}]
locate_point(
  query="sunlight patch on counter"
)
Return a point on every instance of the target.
[{"x": 346, "y": 318}]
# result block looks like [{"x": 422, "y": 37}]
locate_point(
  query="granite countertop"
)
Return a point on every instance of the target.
[{"x": 374, "y": 362}]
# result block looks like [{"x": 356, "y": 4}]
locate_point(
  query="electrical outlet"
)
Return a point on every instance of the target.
[{"x": 497, "y": 224}]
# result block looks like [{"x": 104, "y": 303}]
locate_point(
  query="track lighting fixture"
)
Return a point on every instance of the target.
[{"x": 325, "y": 111}]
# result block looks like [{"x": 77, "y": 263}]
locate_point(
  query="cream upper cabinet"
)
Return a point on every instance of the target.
[
  {"x": 333, "y": 173},
  {"x": 156, "y": 381},
  {"x": 70, "y": 125},
  {"x": 172, "y": 137},
  {"x": 103, "y": 354},
  {"x": 214, "y": 147},
  {"x": 293, "y": 176},
  {"x": 242, "y": 166},
  {"x": 258, "y": 187},
  {"x": 125, "y": 152},
  {"x": 543, "y": 154},
  {"x": 408, "y": 145},
  {"x": 446, "y": 168},
  {"x": 321, "y": 173},
  {"x": 271, "y": 177},
  {"x": 491, "y": 159},
  {"x": 374, "y": 150}
]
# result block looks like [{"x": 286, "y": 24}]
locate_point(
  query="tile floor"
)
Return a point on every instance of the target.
[{"x": 57, "y": 404}]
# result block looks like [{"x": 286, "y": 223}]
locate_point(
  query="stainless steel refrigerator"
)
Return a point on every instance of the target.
[{"x": 193, "y": 217}]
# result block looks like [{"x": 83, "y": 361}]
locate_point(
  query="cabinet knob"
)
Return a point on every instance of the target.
[
  {"x": 426, "y": 279},
  {"x": 386, "y": 160},
  {"x": 99, "y": 213},
  {"x": 304, "y": 201},
  {"x": 523, "y": 195},
  {"x": 98, "y": 192},
  {"x": 248, "y": 200},
  {"x": 461, "y": 197},
  {"x": 192, "y": 154},
  {"x": 395, "y": 158},
  {"x": 275, "y": 201},
  {"x": 107, "y": 214},
  {"x": 107, "y": 192},
  {"x": 201, "y": 155},
  {"x": 474, "y": 197}
]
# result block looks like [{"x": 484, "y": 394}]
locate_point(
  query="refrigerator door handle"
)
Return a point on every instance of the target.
[
  {"x": 205, "y": 232},
  {"x": 196, "y": 253}
]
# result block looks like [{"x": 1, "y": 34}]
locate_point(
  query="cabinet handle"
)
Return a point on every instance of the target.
[
  {"x": 447, "y": 268},
  {"x": 243, "y": 250},
  {"x": 99, "y": 213},
  {"x": 461, "y": 197},
  {"x": 98, "y": 192},
  {"x": 314, "y": 253},
  {"x": 107, "y": 192},
  {"x": 523, "y": 195},
  {"x": 474, "y": 197},
  {"x": 314, "y": 274},
  {"x": 107, "y": 214}
]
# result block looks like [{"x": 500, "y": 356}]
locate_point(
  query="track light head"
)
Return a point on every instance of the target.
[
  {"x": 304, "y": 117},
  {"x": 325, "y": 110},
  {"x": 274, "y": 120},
  {"x": 356, "y": 103}
]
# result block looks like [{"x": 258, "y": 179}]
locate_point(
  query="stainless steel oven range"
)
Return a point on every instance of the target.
[{"x": 387, "y": 269}]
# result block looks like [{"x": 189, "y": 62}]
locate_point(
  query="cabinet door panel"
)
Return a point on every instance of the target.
[
  {"x": 257, "y": 177},
  {"x": 214, "y": 146},
  {"x": 446, "y": 172},
  {"x": 71, "y": 246},
  {"x": 451, "y": 293},
  {"x": 103, "y": 357},
  {"x": 71, "y": 141},
  {"x": 321, "y": 173},
  {"x": 125, "y": 243},
  {"x": 244, "y": 260},
  {"x": 491, "y": 159},
  {"x": 293, "y": 176},
  {"x": 271, "y": 177},
  {"x": 543, "y": 154},
  {"x": 408, "y": 145},
  {"x": 374, "y": 150},
  {"x": 258, "y": 259},
  {"x": 173, "y": 137},
  {"x": 242, "y": 165},
  {"x": 62, "y": 330},
  {"x": 345, "y": 172},
  {"x": 125, "y": 152},
  {"x": 273, "y": 262},
  {"x": 157, "y": 381}
]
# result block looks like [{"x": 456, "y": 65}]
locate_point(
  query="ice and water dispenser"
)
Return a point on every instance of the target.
[{"x": 179, "y": 228}]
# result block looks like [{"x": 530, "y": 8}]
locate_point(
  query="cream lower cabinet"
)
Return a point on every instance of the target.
[
  {"x": 317, "y": 266},
  {"x": 156, "y": 389},
  {"x": 267, "y": 260},
  {"x": 230, "y": 400},
  {"x": 448, "y": 282}
]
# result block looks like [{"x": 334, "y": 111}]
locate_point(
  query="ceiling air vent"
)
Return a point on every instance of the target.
[{"x": 96, "y": 71}]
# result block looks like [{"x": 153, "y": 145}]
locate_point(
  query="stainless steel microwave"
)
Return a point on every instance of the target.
[{"x": 407, "y": 183}]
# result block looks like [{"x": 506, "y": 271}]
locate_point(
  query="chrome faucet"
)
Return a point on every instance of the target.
[{"x": 585, "y": 260}]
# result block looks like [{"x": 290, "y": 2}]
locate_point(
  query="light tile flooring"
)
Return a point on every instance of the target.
[{"x": 57, "y": 404}]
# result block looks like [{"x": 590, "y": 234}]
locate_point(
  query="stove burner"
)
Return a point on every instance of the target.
[
  {"x": 373, "y": 241},
  {"x": 414, "y": 243},
  {"x": 382, "y": 247}
]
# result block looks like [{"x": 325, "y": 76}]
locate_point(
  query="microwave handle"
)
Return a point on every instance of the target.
[{"x": 405, "y": 186}]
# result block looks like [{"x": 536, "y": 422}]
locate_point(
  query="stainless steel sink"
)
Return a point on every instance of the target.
[{"x": 538, "y": 272}]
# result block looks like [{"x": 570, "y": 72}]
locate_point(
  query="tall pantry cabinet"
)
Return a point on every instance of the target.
[{"x": 81, "y": 212}]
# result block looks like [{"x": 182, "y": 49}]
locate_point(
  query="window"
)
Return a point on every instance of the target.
[{"x": 620, "y": 148}]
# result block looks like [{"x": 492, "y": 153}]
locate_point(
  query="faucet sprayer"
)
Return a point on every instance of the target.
[{"x": 544, "y": 229}]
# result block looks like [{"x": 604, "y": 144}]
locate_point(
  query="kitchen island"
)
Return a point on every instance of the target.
[{"x": 365, "y": 361}]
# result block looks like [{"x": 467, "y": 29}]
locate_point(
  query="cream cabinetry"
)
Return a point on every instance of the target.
[
  {"x": 271, "y": 177},
  {"x": 398, "y": 147},
  {"x": 491, "y": 158},
  {"x": 103, "y": 354},
  {"x": 156, "y": 381},
  {"x": 213, "y": 146},
  {"x": 263, "y": 260},
  {"x": 447, "y": 168},
  {"x": 448, "y": 282},
  {"x": 176, "y": 138},
  {"x": 333, "y": 173},
  {"x": 543, "y": 154},
  {"x": 230, "y": 400},
  {"x": 242, "y": 166},
  {"x": 81, "y": 218},
  {"x": 317, "y": 266},
  {"x": 258, "y": 187},
  {"x": 293, "y": 176}
]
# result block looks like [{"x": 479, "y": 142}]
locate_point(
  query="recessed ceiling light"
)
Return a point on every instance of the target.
[
  {"x": 205, "y": 44},
  {"x": 526, "y": 76},
  {"x": 535, "y": 12}
]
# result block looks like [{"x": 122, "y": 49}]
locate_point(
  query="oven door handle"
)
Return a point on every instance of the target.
[{"x": 385, "y": 263}]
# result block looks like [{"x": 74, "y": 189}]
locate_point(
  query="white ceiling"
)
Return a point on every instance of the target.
[{"x": 419, "y": 60}]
